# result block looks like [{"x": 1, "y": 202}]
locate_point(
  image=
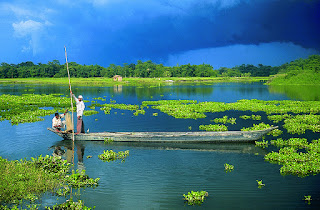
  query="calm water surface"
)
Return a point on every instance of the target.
[{"x": 155, "y": 176}]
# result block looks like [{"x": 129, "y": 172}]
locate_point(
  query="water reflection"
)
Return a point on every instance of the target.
[
  {"x": 298, "y": 92},
  {"x": 66, "y": 148},
  {"x": 247, "y": 148}
]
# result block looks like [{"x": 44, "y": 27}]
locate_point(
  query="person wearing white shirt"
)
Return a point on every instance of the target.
[
  {"x": 80, "y": 109},
  {"x": 57, "y": 123}
]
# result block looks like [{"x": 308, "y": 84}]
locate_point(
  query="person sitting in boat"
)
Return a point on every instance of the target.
[
  {"x": 80, "y": 109},
  {"x": 57, "y": 123}
]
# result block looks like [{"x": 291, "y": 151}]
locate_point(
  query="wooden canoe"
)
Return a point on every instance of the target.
[{"x": 182, "y": 137}]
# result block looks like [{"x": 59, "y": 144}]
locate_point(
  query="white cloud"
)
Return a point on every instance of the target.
[
  {"x": 25, "y": 28},
  {"x": 274, "y": 54},
  {"x": 32, "y": 31}
]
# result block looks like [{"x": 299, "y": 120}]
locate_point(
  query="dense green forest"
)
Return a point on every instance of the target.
[
  {"x": 299, "y": 72},
  {"x": 149, "y": 69}
]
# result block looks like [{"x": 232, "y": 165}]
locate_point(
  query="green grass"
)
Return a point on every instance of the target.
[{"x": 133, "y": 81}]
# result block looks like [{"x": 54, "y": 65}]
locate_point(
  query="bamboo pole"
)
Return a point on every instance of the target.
[{"x": 65, "y": 52}]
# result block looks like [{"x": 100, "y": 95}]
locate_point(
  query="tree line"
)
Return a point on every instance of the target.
[{"x": 146, "y": 69}]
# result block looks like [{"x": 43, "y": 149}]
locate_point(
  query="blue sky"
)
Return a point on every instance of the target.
[{"x": 223, "y": 33}]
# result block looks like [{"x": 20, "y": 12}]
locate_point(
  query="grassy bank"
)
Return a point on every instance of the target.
[{"x": 133, "y": 81}]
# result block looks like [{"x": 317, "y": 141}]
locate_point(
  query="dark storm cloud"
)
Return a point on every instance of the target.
[
  {"x": 207, "y": 26},
  {"x": 122, "y": 31}
]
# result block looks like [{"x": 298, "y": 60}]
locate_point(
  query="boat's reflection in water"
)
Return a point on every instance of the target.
[{"x": 66, "y": 148}]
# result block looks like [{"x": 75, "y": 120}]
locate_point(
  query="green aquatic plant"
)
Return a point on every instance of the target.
[
  {"x": 225, "y": 120},
  {"x": 155, "y": 114},
  {"x": 294, "y": 162},
  {"x": 260, "y": 184},
  {"x": 28, "y": 179},
  {"x": 300, "y": 123},
  {"x": 195, "y": 198},
  {"x": 277, "y": 118},
  {"x": 275, "y": 132},
  {"x": 253, "y": 117},
  {"x": 30, "y": 107},
  {"x": 110, "y": 155},
  {"x": 216, "y": 127},
  {"x": 308, "y": 198},
  {"x": 122, "y": 106},
  {"x": 108, "y": 140},
  {"x": 228, "y": 167},
  {"x": 80, "y": 180},
  {"x": 262, "y": 143},
  {"x": 100, "y": 98},
  {"x": 140, "y": 111},
  {"x": 292, "y": 142},
  {"x": 89, "y": 112},
  {"x": 260, "y": 126},
  {"x": 70, "y": 205},
  {"x": 193, "y": 110}
]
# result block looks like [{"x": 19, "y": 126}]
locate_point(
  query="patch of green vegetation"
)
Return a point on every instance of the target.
[
  {"x": 260, "y": 126},
  {"x": 193, "y": 110},
  {"x": 70, "y": 205},
  {"x": 89, "y": 112},
  {"x": 299, "y": 72},
  {"x": 308, "y": 198},
  {"x": 122, "y": 106},
  {"x": 228, "y": 167},
  {"x": 225, "y": 120},
  {"x": 26, "y": 180},
  {"x": 195, "y": 198},
  {"x": 297, "y": 143},
  {"x": 139, "y": 111},
  {"x": 30, "y": 107},
  {"x": 300, "y": 123},
  {"x": 277, "y": 118},
  {"x": 260, "y": 184},
  {"x": 253, "y": 117},
  {"x": 110, "y": 155},
  {"x": 216, "y": 127},
  {"x": 262, "y": 143},
  {"x": 296, "y": 162},
  {"x": 275, "y": 132},
  {"x": 100, "y": 98}
]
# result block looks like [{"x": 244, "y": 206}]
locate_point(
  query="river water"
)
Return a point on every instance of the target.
[{"x": 155, "y": 176}]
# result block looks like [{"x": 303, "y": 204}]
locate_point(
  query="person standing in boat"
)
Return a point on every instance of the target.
[
  {"x": 80, "y": 109},
  {"x": 57, "y": 123}
]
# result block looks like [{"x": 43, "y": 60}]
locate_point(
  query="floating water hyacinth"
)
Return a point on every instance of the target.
[
  {"x": 211, "y": 127},
  {"x": 195, "y": 198},
  {"x": 110, "y": 155},
  {"x": 30, "y": 107},
  {"x": 225, "y": 120},
  {"x": 260, "y": 126},
  {"x": 228, "y": 167}
]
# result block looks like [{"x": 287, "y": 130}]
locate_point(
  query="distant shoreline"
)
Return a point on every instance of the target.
[{"x": 133, "y": 81}]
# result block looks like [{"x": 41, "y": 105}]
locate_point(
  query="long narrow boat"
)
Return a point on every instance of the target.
[{"x": 184, "y": 137}]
